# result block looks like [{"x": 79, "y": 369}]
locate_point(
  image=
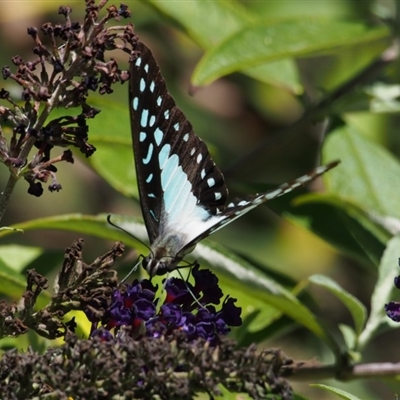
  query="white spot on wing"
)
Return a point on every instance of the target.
[
  {"x": 144, "y": 117},
  {"x": 210, "y": 181},
  {"x": 304, "y": 178},
  {"x": 152, "y": 86},
  {"x": 146, "y": 67},
  {"x": 186, "y": 137},
  {"x": 149, "y": 154},
  {"x": 138, "y": 61},
  {"x": 158, "y": 136},
  {"x": 273, "y": 194},
  {"x": 163, "y": 155},
  {"x": 142, "y": 136},
  {"x": 135, "y": 103},
  {"x": 142, "y": 85},
  {"x": 320, "y": 170},
  {"x": 149, "y": 178}
]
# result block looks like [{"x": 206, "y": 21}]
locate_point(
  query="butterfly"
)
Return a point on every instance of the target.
[{"x": 182, "y": 192}]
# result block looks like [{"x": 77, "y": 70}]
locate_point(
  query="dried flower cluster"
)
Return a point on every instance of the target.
[
  {"x": 181, "y": 355},
  {"x": 167, "y": 368},
  {"x": 79, "y": 286},
  {"x": 62, "y": 75}
]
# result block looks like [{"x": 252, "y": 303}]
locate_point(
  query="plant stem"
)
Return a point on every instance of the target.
[
  {"x": 305, "y": 372},
  {"x": 6, "y": 194}
]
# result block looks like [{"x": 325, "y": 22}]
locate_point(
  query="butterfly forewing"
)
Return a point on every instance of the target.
[
  {"x": 175, "y": 173},
  {"x": 182, "y": 192}
]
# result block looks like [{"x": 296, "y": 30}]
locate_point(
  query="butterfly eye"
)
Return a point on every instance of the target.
[
  {"x": 160, "y": 270},
  {"x": 153, "y": 267}
]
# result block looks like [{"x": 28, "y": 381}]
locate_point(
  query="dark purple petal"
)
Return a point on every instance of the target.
[
  {"x": 155, "y": 327},
  {"x": 121, "y": 316},
  {"x": 205, "y": 330},
  {"x": 178, "y": 292},
  {"x": 206, "y": 283},
  {"x": 171, "y": 314},
  {"x": 205, "y": 314},
  {"x": 221, "y": 327},
  {"x": 190, "y": 329},
  {"x": 230, "y": 313},
  {"x": 393, "y": 311},
  {"x": 397, "y": 282},
  {"x": 103, "y": 334},
  {"x": 145, "y": 309},
  {"x": 140, "y": 290}
]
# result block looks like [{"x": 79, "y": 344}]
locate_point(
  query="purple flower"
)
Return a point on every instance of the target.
[
  {"x": 393, "y": 308},
  {"x": 188, "y": 308},
  {"x": 103, "y": 334},
  {"x": 393, "y": 311},
  {"x": 132, "y": 306}
]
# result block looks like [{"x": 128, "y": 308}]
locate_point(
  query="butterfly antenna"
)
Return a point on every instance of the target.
[{"x": 128, "y": 233}]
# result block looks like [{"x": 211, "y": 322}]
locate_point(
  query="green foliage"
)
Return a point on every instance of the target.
[
  {"x": 340, "y": 393},
  {"x": 358, "y": 214}
]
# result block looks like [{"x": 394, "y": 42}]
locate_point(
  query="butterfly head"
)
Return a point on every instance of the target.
[
  {"x": 153, "y": 266},
  {"x": 159, "y": 265}
]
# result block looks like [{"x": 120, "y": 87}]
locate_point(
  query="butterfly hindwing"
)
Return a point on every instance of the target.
[
  {"x": 175, "y": 173},
  {"x": 239, "y": 207}
]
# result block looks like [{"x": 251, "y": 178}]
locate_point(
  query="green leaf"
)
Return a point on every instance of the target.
[
  {"x": 384, "y": 292},
  {"x": 367, "y": 172},
  {"x": 13, "y": 260},
  {"x": 351, "y": 339},
  {"x": 18, "y": 257},
  {"x": 341, "y": 223},
  {"x": 356, "y": 308},
  {"x": 264, "y": 42},
  {"x": 341, "y": 393},
  {"x": 260, "y": 287},
  {"x": 202, "y": 22},
  {"x": 13, "y": 285},
  {"x": 92, "y": 225},
  {"x": 113, "y": 159}
]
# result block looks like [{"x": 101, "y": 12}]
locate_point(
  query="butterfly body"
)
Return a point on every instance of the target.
[{"x": 182, "y": 192}]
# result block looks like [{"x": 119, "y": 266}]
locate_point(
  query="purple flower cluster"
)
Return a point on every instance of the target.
[
  {"x": 186, "y": 307},
  {"x": 393, "y": 308}
]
